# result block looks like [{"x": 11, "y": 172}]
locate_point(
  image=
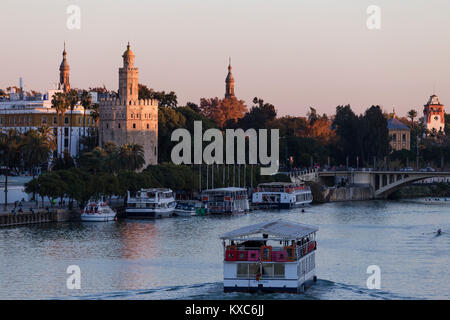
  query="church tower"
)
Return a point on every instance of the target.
[
  {"x": 434, "y": 115},
  {"x": 128, "y": 78},
  {"x": 64, "y": 69},
  {"x": 229, "y": 83}
]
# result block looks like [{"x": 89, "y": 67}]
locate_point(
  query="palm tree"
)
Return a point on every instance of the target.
[
  {"x": 10, "y": 147},
  {"x": 47, "y": 133},
  {"x": 72, "y": 99},
  {"x": 95, "y": 115},
  {"x": 86, "y": 102},
  {"x": 412, "y": 114},
  {"x": 59, "y": 102},
  {"x": 36, "y": 150},
  {"x": 131, "y": 156}
]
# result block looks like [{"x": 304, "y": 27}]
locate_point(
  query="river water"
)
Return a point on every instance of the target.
[{"x": 181, "y": 258}]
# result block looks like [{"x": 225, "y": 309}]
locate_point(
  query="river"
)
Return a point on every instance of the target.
[{"x": 181, "y": 258}]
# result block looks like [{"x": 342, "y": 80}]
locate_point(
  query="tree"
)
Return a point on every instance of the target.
[
  {"x": 412, "y": 114},
  {"x": 10, "y": 147},
  {"x": 72, "y": 100},
  {"x": 260, "y": 116},
  {"x": 86, "y": 102},
  {"x": 312, "y": 115},
  {"x": 223, "y": 110},
  {"x": 36, "y": 150},
  {"x": 165, "y": 99},
  {"x": 376, "y": 134},
  {"x": 59, "y": 102},
  {"x": 131, "y": 156}
]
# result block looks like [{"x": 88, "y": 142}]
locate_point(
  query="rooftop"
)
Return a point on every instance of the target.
[
  {"x": 279, "y": 228},
  {"x": 395, "y": 124}
]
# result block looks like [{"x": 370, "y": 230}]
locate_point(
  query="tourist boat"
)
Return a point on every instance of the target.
[
  {"x": 283, "y": 195},
  {"x": 226, "y": 200},
  {"x": 187, "y": 208},
  {"x": 98, "y": 211},
  {"x": 151, "y": 204},
  {"x": 276, "y": 256}
]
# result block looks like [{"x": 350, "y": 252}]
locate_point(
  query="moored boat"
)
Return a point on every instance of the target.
[
  {"x": 276, "y": 256},
  {"x": 186, "y": 208},
  {"x": 151, "y": 204},
  {"x": 282, "y": 195},
  {"x": 226, "y": 200},
  {"x": 98, "y": 211}
]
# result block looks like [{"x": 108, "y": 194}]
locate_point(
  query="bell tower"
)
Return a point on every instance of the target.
[
  {"x": 229, "y": 83},
  {"x": 64, "y": 70},
  {"x": 128, "y": 78},
  {"x": 434, "y": 115}
]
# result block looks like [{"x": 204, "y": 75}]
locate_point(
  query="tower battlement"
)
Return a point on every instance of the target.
[{"x": 122, "y": 102}]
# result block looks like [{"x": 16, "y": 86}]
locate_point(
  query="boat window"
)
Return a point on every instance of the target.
[
  {"x": 253, "y": 269},
  {"x": 267, "y": 270},
  {"x": 278, "y": 270},
  {"x": 242, "y": 270}
]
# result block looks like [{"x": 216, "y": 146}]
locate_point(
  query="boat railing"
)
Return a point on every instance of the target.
[{"x": 268, "y": 253}]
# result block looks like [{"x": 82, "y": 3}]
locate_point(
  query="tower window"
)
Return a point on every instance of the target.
[
  {"x": 134, "y": 125},
  {"x": 107, "y": 126},
  {"x": 66, "y": 120},
  {"x": 148, "y": 126},
  {"x": 118, "y": 125}
]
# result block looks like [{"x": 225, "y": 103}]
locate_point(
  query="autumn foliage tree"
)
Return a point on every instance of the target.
[{"x": 223, "y": 110}]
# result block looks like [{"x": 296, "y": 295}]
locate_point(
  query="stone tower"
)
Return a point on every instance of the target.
[
  {"x": 434, "y": 115},
  {"x": 128, "y": 77},
  {"x": 129, "y": 119},
  {"x": 64, "y": 70},
  {"x": 229, "y": 83}
]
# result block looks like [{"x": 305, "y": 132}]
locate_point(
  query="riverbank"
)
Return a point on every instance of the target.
[
  {"x": 322, "y": 194},
  {"x": 422, "y": 190},
  {"x": 8, "y": 219}
]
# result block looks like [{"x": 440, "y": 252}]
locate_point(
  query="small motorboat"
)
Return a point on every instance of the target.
[
  {"x": 98, "y": 211},
  {"x": 185, "y": 209}
]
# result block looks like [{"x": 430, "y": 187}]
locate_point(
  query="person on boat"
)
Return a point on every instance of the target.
[
  {"x": 303, "y": 210},
  {"x": 439, "y": 232}
]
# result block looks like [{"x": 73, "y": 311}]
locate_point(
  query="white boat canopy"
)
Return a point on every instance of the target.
[{"x": 277, "y": 228}]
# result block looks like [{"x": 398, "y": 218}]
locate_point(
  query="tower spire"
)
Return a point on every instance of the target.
[
  {"x": 64, "y": 71},
  {"x": 229, "y": 82}
]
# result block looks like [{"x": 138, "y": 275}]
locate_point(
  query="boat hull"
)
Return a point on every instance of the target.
[
  {"x": 136, "y": 213},
  {"x": 184, "y": 213},
  {"x": 269, "y": 286},
  {"x": 97, "y": 217}
]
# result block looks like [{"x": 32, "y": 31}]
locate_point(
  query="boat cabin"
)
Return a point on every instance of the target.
[
  {"x": 226, "y": 200},
  {"x": 275, "y": 256}
]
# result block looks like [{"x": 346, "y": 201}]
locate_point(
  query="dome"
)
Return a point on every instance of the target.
[{"x": 128, "y": 52}]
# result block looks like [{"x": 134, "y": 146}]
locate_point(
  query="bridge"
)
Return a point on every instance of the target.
[{"x": 382, "y": 182}]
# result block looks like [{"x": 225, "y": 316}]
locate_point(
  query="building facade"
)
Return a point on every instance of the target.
[
  {"x": 129, "y": 119},
  {"x": 399, "y": 133},
  {"x": 434, "y": 115},
  {"x": 23, "y": 113}
]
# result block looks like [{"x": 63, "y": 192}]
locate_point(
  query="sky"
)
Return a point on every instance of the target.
[{"x": 291, "y": 53}]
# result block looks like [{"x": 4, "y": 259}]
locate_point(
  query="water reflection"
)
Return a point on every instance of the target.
[{"x": 182, "y": 257}]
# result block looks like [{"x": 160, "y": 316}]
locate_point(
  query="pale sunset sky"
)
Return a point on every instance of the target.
[{"x": 291, "y": 53}]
